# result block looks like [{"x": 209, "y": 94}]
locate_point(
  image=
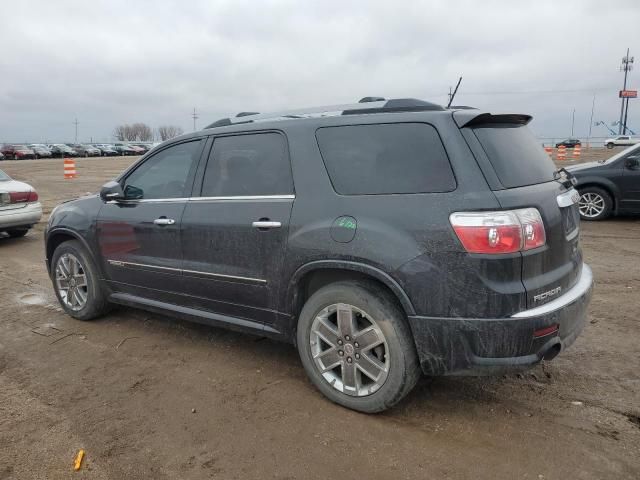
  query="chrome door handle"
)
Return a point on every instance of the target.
[
  {"x": 266, "y": 224},
  {"x": 164, "y": 221}
]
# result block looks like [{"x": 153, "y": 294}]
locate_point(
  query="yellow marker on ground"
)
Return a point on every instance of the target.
[{"x": 78, "y": 461}]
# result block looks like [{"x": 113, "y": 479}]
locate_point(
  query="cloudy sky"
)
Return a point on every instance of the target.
[{"x": 123, "y": 61}]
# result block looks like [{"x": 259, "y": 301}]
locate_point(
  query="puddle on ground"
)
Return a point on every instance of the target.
[{"x": 32, "y": 299}]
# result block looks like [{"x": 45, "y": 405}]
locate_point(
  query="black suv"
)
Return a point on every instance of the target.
[
  {"x": 609, "y": 187},
  {"x": 383, "y": 239}
]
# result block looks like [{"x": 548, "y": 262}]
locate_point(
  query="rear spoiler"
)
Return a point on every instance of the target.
[{"x": 472, "y": 120}]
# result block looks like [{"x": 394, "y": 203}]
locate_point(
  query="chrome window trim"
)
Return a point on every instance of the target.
[
  {"x": 119, "y": 263},
  {"x": 207, "y": 199},
  {"x": 578, "y": 290}
]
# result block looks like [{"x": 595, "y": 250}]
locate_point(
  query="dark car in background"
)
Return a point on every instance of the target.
[
  {"x": 609, "y": 187},
  {"x": 106, "y": 150},
  {"x": 41, "y": 151},
  {"x": 17, "y": 152},
  {"x": 124, "y": 149},
  {"x": 61, "y": 150},
  {"x": 383, "y": 239},
  {"x": 569, "y": 143}
]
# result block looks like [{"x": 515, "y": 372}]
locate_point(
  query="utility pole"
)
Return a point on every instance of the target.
[
  {"x": 194, "y": 115},
  {"x": 627, "y": 65},
  {"x": 573, "y": 121},
  {"x": 76, "y": 123},
  {"x": 593, "y": 104}
]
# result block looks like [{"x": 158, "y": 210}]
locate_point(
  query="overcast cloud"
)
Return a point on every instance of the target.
[{"x": 117, "y": 61}]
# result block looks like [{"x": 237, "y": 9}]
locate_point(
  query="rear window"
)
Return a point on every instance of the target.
[
  {"x": 385, "y": 159},
  {"x": 516, "y": 155}
]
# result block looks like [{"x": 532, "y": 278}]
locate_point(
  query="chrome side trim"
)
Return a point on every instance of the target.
[
  {"x": 242, "y": 198},
  {"x": 118, "y": 263},
  {"x": 578, "y": 290},
  {"x": 568, "y": 198},
  {"x": 228, "y": 277}
]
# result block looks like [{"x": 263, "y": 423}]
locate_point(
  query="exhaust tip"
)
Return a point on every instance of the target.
[{"x": 552, "y": 352}]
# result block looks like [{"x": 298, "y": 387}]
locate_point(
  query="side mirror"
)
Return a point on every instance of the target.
[{"x": 111, "y": 191}]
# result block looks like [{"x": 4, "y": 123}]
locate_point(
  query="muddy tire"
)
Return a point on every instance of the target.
[
  {"x": 17, "y": 232},
  {"x": 77, "y": 283},
  {"x": 356, "y": 346}
]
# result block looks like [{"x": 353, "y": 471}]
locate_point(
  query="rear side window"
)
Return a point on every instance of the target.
[
  {"x": 248, "y": 165},
  {"x": 385, "y": 159},
  {"x": 516, "y": 155}
]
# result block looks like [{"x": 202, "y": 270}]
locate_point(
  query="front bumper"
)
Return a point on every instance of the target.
[
  {"x": 465, "y": 346},
  {"x": 26, "y": 216}
]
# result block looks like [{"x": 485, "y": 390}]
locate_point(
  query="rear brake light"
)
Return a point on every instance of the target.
[
  {"x": 23, "y": 197},
  {"x": 507, "y": 231}
]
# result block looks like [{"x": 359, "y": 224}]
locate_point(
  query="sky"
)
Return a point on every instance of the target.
[{"x": 111, "y": 62}]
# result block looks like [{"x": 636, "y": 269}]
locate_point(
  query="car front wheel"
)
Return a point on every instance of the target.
[
  {"x": 595, "y": 204},
  {"x": 76, "y": 282},
  {"x": 610, "y": 145},
  {"x": 356, "y": 346}
]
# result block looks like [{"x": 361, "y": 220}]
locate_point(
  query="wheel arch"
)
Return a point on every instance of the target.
[
  {"x": 314, "y": 275},
  {"x": 60, "y": 235}
]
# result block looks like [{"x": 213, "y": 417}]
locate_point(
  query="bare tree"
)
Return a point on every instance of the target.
[
  {"x": 142, "y": 132},
  {"x": 165, "y": 132},
  {"x": 137, "y": 132},
  {"x": 120, "y": 132}
]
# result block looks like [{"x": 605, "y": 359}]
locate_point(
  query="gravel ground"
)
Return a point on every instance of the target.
[{"x": 147, "y": 396}]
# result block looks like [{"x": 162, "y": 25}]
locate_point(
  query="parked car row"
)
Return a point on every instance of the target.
[{"x": 59, "y": 150}]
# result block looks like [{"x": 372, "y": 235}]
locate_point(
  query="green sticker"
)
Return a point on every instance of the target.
[{"x": 347, "y": 222}]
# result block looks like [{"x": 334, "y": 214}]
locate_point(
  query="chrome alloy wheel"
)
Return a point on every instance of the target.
[
  {"x": 591, "y": 205},
  {"x": 349, "y": 350},
  {"x": 71, "y": 281}
]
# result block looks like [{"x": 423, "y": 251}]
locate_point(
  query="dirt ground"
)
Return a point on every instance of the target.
[{"x": 151, "y": 397}]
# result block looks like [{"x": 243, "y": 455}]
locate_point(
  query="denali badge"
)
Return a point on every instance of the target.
[{"x": 547, "y": 294}]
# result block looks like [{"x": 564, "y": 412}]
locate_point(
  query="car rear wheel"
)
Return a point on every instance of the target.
[
  {"x": 76, "y": 282},
  {"x": 595, "y": 204},
  {"x": 610, "y": 145},
  {"x": 356, "y": 346}
]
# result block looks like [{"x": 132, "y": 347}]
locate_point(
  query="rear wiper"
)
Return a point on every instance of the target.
[{"x": 565, "y": 177}]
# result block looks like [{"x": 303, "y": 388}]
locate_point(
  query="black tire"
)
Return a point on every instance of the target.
[
  {"x": 610, "y": 146},
  {"x": 404, "y": 369},
  {"x": 96, "y": 304},
  {"x": 17, "y": 232},
  {"x": 606, "y": 200}
]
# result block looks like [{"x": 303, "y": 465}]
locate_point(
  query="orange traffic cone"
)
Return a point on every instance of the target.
[{"x": 69, "y": 168}]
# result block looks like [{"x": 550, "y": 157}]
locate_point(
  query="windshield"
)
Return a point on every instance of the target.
[
  {"x": 621, "y": 154},
  {"x": 4, "y": 177}
]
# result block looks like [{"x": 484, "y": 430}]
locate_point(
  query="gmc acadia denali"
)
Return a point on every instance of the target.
[{"x": 384, "y": 239}]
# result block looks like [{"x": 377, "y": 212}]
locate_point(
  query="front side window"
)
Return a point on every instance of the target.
[
  {"x": 165, "y": 174},
  {"x": 248, "y": 165},
  {"x": 385, "y": 159}
]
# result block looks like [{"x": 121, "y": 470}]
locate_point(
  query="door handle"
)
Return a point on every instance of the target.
[
  {"x": 164, "y": 221},
  {"x": 265, "y": 224}
]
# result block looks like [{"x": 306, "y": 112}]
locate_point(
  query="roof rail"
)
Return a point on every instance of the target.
[{"x": 373, "y": 106}]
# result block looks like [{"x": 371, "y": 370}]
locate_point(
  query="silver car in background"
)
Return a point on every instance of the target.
[{"x": 19, "y": 206}]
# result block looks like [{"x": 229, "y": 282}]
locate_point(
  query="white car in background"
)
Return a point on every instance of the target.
[
  {"x": 19, "y": 206},
  {"x": 621, "y": 141}
]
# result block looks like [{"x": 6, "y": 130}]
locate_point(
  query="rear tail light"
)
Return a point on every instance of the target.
[
  {"x": 23, "y": 197},
  {"x": 506, "y": 231}
]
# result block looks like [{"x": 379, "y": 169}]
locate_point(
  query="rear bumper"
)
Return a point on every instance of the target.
[
  {"x": 473, "y": 346},
  {"x": 26, "y": 216}
]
